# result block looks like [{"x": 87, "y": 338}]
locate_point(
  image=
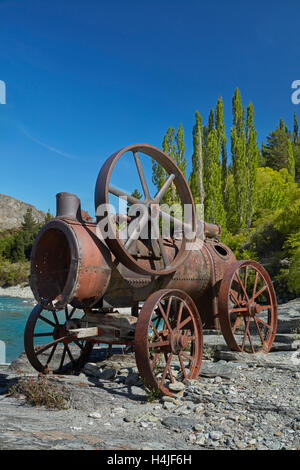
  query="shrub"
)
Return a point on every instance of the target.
[{"x": 38, "y": 392}]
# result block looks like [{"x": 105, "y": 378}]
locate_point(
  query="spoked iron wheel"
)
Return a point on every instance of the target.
[
  {"x": 151, "y": 208},
  {"x": 168, "y": 339},
  {"x": 248, "y": 308},
  {"x": 48, "y": 346}
]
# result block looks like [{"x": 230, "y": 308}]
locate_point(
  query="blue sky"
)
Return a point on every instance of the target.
[{"x": 85, "y": 78}]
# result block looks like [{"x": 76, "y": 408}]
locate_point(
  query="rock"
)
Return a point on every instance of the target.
[
  {"x": 176, "y": 387},
  {"x": 168, "y": 399},
  {"x": 215, "y": 435},
  {"x": 133, "y": 379},
  {"x": 178, "y": 422},
  {"x": 108, "y": 374},
  {"x": 92, "y": 369},
  {"x": 215, "y": 369},
  {"x": 95, "y": 415},
  {"x": 12, "y": 212}
]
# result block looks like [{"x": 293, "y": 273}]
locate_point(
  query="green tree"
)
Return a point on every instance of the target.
[
  {"x": 196, "y": 176},
  {"x": 296, "y": 129},
  {"x": 238, "y": 150},
  {"x": 179, "y": 157},
  {"x": 252, "y": 153},
  {"x": 213, "y": 201},
  {"x": 29, "y": 222},
  {"x": 48, "y": 217},
  {"x": 290, "y": 159},
  {"x": 275, "y": 152},
  {"x": 220, "y": 128}
]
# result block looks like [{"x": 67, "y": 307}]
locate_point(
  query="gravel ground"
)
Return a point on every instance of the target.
[
  {"x": 17, "y": 291},
  {"x": 239, "y": 401}
]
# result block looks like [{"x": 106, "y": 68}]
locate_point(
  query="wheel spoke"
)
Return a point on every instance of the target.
[
  {"x": 123, "y": 195},
  {"x": 246, "y": 278},
  {"x": 242, "y": 286},
  {"x": 55, "y": 317},
  {"x": 255, "y": 284},
  {"x": 260, "y": 291},
  {"x": 47, "y": 346},
  {"x": 179, "y": 315},
  {"x": 264, "y": 307},
  {"x": 75, "y": 340},
  {"x": 137, "y": 230},
  {"x": 47, "y": 321},
  {"x": 246, "y": 333},
  {"x": 69, "y": 354},
  {"x": 154, "y": 329},
  {"x": 160, "y": 194},
  {"x": 51, "y": 355},
  {"x": 155, "y": 359},
  {"x": 264, "y": 323},
  {"x": 62, "y": 358},
  {"x": 165, "y": 317},
  {"x": 234, "y": 297},
  {"x": 141, "y": 174},
  {"x": 187, "y": 320},
  {"x": 237, "y": 320},
  {"x": 259, "y": 331},
  {"x": 238, "y": 310},
  {"x": 185, "y": 354},
  {"x": 72, "y": 312},
  {"x": 166, "y": 368},
  {"x": 160, "y": 243},
  {"x": 42, "y": 334},
  {"x": 182, "y": 365}
]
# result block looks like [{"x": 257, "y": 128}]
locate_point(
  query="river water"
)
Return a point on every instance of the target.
[{"x": 13, "y": 316}]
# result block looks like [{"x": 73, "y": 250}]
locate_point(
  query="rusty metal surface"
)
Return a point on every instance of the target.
[
  {"x": 55, "y": 354},
  {"x": 168, "y": 339},
  {"x": 183, "y": 290},
  {"x": 103, "y": 188},
  {"x": 69, "y": 264},
  {"x": 248, "y": 307}
]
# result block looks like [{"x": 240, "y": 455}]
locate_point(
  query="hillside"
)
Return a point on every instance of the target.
[{"x": 12, "y": 212}]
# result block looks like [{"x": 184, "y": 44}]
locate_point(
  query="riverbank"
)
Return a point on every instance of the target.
[
  {"x": 17, "y": 291},
  {"x": 240, "y": 401}
]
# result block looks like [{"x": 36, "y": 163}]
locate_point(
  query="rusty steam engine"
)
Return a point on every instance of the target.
[{"x": 174, "y": 286}]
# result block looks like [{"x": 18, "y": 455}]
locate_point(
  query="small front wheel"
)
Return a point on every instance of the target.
[{"x": 49, "y": 347}]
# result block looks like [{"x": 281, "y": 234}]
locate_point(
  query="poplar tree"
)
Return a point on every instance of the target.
[
  {"x": 220, "y": 128},
  {"x": 159, "y": 175},
  {"x": 290, "y": 159},
  {"x": 196, "y": 176},
  {"x": 238, "y": 150},
  {"x": 252, "y": 154},
  {"x": 296, "y": 129},
  {"x": 213, "y": 201},
  {"x": 179, "y": 157},
  {"x": 296, "y": 147}
]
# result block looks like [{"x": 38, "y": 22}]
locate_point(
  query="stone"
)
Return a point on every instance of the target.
[
  {"x": 92, "y": 369},
  {"x": 133, "y": 379},
  {"x": 215, "y": 435},
  {"x": 178, "y": 422},
  {"x": 108, "y": 374},
  {"x": 176, "y": 387},
  {"x": 214, "y": 369},
  {"x": 95, "y": 415}
]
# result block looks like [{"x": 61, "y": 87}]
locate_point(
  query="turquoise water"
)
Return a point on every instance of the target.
[{"x": 13, "y": 317}]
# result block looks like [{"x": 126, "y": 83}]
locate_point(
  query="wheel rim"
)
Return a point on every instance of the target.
[
  {"x": 48, "y": 347},
  {"x": 248, "y": 308},
  {"x": 150, "y": 208},
  {"x": 168, "y": 340}
]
